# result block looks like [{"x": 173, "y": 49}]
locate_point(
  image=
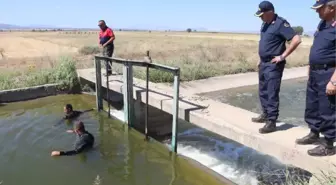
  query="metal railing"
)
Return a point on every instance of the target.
[{"x": 128, "y": 90}]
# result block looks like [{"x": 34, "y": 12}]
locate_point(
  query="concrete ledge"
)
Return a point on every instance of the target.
[
  {"x": 236, "y": 80},
  {"x": 231, "y": 122},
  {"x": 29, "y": 93}
]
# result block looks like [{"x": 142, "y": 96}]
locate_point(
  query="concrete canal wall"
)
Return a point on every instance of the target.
[{"x": 226, "y": 120}]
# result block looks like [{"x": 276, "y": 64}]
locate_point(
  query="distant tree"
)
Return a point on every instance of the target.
[
  {"x": 298, "y": 29},
  {"x": 189, "y": 30},
  {"x": 195, "y": 30}
]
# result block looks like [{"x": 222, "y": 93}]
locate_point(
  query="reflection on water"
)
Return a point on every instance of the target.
[
  {"x": 292, "y": 99},
  {"x": 119, "y": 157}
]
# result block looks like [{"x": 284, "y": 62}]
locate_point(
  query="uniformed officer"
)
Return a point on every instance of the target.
[
  {"x": 275, "y": 31},
  {"x": 320, "y": 112}
]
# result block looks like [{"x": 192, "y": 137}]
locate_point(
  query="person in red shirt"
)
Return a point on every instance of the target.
[{"x": 106, "y": 38}]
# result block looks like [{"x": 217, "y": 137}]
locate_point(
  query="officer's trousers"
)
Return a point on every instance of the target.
[
  {"x": 270, "y": 76},
  {"x": 320, "y": 108}
]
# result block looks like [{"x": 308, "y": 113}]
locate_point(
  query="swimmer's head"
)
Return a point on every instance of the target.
[
  {"x": 79, "y": 127},
  {"x": 68, "y": 108}
]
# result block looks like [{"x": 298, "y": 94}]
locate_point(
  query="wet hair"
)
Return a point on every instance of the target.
[
  {"x": 68, "y": 106},
  {"x": 80, "y": 126}
]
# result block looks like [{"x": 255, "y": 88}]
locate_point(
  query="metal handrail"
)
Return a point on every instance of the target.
[{"x": 128, "y": 89}]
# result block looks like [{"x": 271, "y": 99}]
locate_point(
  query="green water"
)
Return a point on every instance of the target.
[
  {"x": 120, "y": 156},
  {"x": 292, "y": 99}
]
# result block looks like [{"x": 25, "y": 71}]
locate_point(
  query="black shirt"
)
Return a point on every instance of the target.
[
  {"x": 73, "y": 114},
  {"x": 83, "y": 142}
]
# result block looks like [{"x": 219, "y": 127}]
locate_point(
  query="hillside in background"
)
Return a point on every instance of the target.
[{"x": 9, "y": 26}]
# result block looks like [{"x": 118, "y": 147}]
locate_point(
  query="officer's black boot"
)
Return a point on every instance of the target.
[
  {"x": 260, "y": 119},
  {"x": 311, "y": 138},
  {"x": 269, "y": 127},
  {"x": 324, "y": 149}
]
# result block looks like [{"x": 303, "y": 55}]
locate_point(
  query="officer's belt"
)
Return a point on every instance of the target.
[
  {"x": 321, "y": 66},
  {"x": 266, "y": 59}
]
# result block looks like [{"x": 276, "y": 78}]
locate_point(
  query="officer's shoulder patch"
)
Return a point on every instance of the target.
[
  {"x": 286, "y": 24},
  {"x": 333, "y": 24}
]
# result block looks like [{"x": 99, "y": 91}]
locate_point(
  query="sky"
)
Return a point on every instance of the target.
[{"x": 214, "y": 15}]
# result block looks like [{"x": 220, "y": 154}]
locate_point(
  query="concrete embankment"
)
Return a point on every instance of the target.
[
  {"x": 29, "y": 93},
  {"x": 226, "y": 120}
]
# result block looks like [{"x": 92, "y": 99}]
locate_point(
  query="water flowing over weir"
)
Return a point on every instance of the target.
[{"x": 230, "y": 159}]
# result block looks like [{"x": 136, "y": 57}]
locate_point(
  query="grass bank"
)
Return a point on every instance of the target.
[
  {"x": 62, "y": 71},
  {"x": 198, "y": 60}
]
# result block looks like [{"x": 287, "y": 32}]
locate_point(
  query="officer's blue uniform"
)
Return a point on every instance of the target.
[
  {"x": 272, "y": 43},
  {"x": 320, "y": 112}
]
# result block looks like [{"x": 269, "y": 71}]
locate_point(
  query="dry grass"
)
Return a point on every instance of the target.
[
  {"x": 61, "y": 71},
  {"x": 199, "y": 55}
]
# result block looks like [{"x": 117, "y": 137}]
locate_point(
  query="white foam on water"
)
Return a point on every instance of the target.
[
  {"x": 209, "y": 160},
  {"x": 119, "y": 114},
  {"x": 216, "y": 158}
]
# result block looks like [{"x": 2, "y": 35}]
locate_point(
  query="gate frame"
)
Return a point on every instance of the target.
[{"x": 128, "y": 90}]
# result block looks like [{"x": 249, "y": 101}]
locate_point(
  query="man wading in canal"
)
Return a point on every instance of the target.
[
  {"x": 84, "y": 141},
  {"x": 275, "y": 31},
  {"x": 320, "y": 113}
]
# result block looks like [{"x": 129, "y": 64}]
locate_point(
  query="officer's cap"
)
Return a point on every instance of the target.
[
  {"x": 320, "y": 3},
  {"x": 264, "y": 6}
]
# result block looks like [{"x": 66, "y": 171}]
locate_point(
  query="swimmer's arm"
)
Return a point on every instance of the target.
[
  {"x": 87, "y": 110},
  {"x": 74, "y": 152}
]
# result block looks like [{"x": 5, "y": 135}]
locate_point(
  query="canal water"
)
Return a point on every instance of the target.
[
  {"x": 28, "y": 134},
  {"x": 30, "y": 130},
  {"x": 292, "y": 99}
]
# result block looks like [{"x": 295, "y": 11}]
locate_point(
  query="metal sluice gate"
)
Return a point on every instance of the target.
[{"x": 127, "y": 90}]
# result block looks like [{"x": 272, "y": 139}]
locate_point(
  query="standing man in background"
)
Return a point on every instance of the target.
[
  {"x": 106, "y": 38},
  {"x": 320, "y": 112},
  {"x": 275, "y": 31}
]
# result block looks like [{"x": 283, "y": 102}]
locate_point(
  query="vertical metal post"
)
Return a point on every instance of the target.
[
  {"x": 149, "y": 60},
  {"x": 175, "y": 110},
  {"x": 125, "y": 91},
  {"x": 99, "y": 98},
  {"x": 130, "y": 95},
  {"x": 146, "y": 112},
  {"x": 108, "y": 89}
]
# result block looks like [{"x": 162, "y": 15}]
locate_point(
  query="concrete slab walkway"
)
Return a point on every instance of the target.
[{"x": 229, "y": 121}]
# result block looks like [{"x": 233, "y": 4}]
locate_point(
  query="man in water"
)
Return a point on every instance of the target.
[
  {"x": 70, "y": 113},
  {"x": 84, "y": 141}
]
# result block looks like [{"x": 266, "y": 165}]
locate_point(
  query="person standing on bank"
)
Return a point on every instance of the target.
[
  {"x": 275, "y": 31},
  {"x": 320, "y": 112},
  {"x": 106, "y": 39}
]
